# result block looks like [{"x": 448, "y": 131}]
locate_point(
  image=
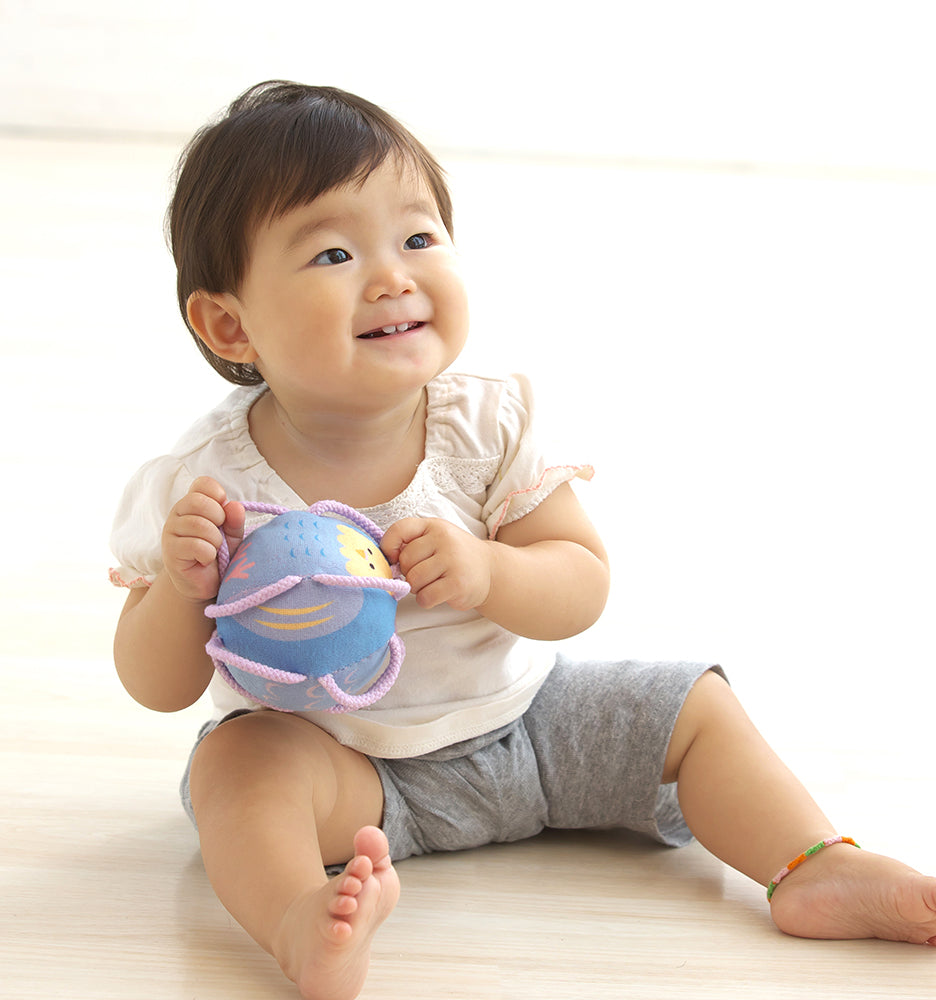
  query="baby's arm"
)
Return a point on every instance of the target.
[
  {"x": 159, "y": 648},
  {"x": 546, "y": 576}
]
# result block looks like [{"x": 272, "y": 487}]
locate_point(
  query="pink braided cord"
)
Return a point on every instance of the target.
[
  {"x": 349, "y": 513},
  {"x": 254, "y": 599},
  {"x": 229, "y": 678},
  {"x": 320, "y": 507},
  {"x": 350, "y": 702},
  {"x": 397, "y": 588},
  {"x": 344, "y": 702},
  {"x": 224, "y": 556},
  {"x": 220, "y": 653}
]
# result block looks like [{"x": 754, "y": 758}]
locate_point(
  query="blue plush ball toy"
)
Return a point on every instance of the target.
[{"x": 306, "y": 612}]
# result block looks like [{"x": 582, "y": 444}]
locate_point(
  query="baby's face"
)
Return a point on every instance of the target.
[{"x": 357, "y": 296}]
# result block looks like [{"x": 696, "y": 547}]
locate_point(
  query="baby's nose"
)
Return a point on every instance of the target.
[{"x": 389, "y": 280}]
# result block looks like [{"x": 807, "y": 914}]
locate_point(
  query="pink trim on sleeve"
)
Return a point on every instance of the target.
[
  {"x": 117, "y": 580},
  {"x": 566, "y": 473}
]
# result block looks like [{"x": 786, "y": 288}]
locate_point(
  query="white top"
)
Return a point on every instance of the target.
[{"x": 463, "y": 675}]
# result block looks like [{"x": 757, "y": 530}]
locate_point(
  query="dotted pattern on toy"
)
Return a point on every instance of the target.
[{"x": 306, "y": 611}]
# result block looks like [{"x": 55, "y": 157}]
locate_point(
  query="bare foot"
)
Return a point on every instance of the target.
[
  {"x": 844, "y": 893},
  {"x": 324, "y": 940}
]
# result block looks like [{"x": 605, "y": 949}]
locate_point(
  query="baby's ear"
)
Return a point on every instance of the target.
[{"x": 216, "y": 320}]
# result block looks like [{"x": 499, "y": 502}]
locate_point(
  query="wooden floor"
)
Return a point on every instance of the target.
[{"x": 102, "y": 892}]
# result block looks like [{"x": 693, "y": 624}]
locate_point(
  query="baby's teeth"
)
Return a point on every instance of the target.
[{"x": 389, "y": 329}]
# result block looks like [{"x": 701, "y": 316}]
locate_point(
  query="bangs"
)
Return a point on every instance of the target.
[
  {"x": 329, "y": 143},
  {"x": 321, "y": 151}
]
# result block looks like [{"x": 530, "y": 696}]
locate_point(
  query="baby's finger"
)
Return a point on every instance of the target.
[
  {"x": 235, "y": 517},
  {"x": 206, "y": 486},
  {"x": 193, "y": 528},
  {"x": 400, "y": 534},
  {"x": 204, "y": 499},
  {"x": 416, "y": 554},
  {"x": 421, "y": 573},
  {"x": 198, "y": 551}
]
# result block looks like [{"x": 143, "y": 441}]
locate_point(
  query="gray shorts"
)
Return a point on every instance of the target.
[{"x": 588, "y": 753}]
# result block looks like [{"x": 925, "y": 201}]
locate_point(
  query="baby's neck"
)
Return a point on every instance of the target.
[{"x": 361, "y": 459}]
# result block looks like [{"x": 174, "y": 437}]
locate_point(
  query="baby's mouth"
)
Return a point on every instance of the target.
[{"x": 389, "y": 331}]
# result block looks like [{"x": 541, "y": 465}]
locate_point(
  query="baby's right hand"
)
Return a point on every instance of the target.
[{"x": 192, "y": 537}]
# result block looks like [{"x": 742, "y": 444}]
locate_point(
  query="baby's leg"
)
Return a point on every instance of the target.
[
  {"x": 276, "y": 799},
  {"x": 744, "y": 805}
]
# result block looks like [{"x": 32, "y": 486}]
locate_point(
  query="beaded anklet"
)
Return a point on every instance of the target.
[{"x": 796, "y": 862}]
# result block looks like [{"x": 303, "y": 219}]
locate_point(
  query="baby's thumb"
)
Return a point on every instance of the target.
[{"x": 234, "y": 519}]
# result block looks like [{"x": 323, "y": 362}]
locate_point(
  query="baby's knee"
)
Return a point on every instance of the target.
[
  {"x": 263, "y": 759},
  {"x": 712, "y": 684},
  {"x": 243, "y": 748},
  {"x": 708, "y": 699},
  {"x": 260, "y": 738}
]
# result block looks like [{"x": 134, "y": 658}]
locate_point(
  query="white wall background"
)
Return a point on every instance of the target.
[
  {"x": 705, "y": 229},
  {"x": 804, "y": 81}
]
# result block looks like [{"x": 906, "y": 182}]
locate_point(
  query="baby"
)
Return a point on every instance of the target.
[{"x": 317, "y": 271}]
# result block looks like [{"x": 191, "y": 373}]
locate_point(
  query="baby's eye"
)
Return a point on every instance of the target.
[
  {"x": 333, "y": 256},
  {"x": 421, "y": 241}
]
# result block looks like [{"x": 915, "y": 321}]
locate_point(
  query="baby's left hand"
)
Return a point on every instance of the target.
[{"x": 442, "y": 563}]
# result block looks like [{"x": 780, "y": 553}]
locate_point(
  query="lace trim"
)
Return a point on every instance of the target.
[
  {"x": 116, "y": 578},
  {"x": 554, "y": 476},
  {"x": 440, "y": 474}
]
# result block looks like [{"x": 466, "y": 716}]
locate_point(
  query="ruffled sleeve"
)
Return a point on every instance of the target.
[
  {"x": 136, "y": 537},
  {"x": 526, "y": 476},
  {"x": 217, "y": 445}
]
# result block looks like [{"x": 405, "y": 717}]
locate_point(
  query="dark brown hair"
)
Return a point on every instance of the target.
[{"x": 278, "y": 146}]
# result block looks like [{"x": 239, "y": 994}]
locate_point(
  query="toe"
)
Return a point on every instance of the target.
[
  {"x": 359, "y": 869},
  {"x": 372, "y": 843}
]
